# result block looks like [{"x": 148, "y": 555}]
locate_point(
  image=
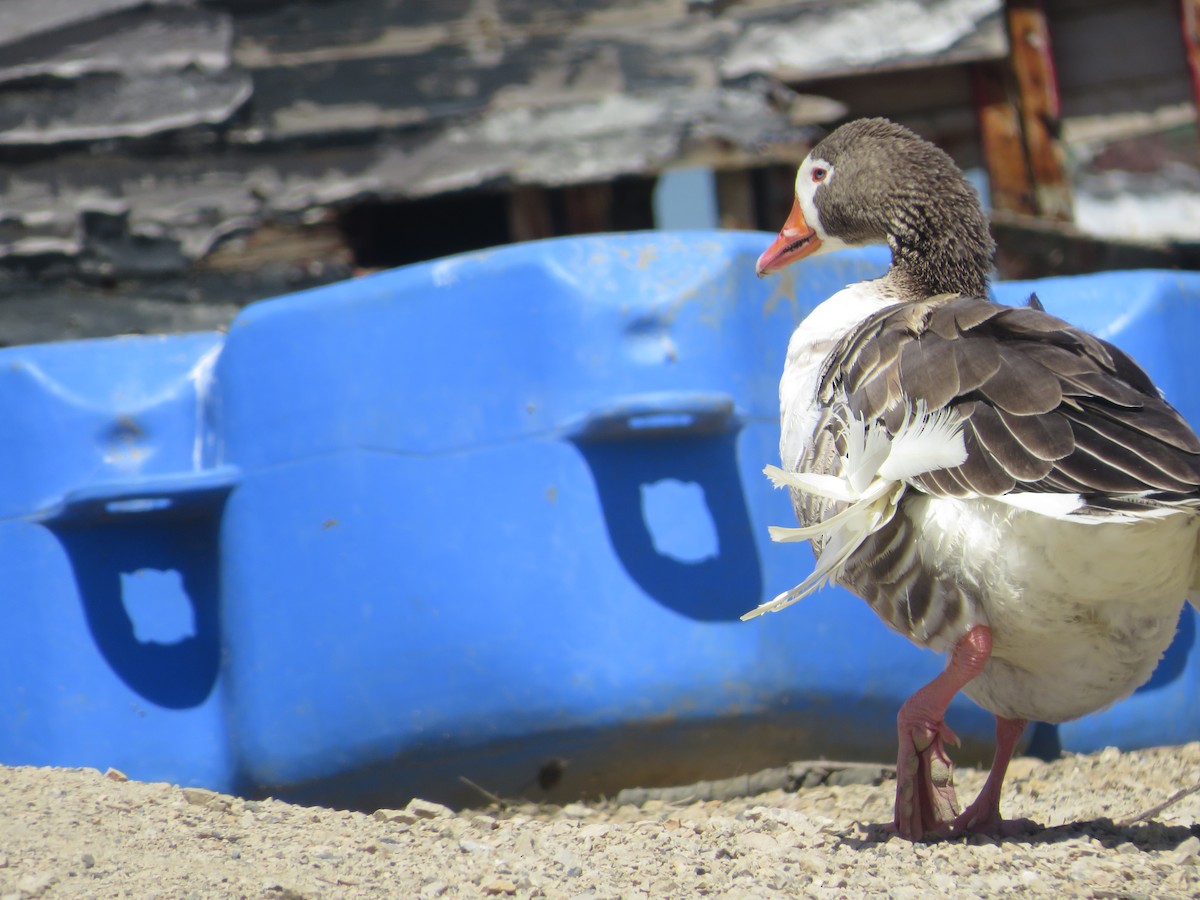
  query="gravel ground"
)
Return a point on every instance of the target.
[{"x": 80, "y": 833}]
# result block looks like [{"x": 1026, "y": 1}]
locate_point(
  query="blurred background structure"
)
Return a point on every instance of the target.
[{"x": 164, "y": 163}]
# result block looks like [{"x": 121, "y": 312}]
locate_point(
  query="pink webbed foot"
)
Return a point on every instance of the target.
[
  {"x": 925, "y": 797},
  {"x": 983, "y": 815},
  {"x": 983, "y": 818},
  {"x": 925, "y": 800}
]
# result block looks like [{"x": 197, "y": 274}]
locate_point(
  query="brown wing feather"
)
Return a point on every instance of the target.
[
  {"x": 1046, "y": 407},
  {"x": 1047, "y": 437},
  {"x": 1005, "y": 447},
  {"x": 978, "y": 360},
  {"x": 929, "y": 371}
]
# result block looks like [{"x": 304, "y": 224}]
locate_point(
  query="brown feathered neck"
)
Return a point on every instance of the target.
[{"x": 891, "y": 186}]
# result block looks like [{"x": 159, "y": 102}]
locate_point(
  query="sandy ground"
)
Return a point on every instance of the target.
[{"x": 81, "y": 833}]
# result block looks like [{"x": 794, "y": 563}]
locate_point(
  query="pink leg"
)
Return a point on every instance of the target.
[
  {"x": 983, "y": 816},
  {"x": 925, "y": 799}
]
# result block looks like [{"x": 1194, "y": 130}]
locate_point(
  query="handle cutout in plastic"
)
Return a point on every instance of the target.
[{"x": 667, "y": 413}]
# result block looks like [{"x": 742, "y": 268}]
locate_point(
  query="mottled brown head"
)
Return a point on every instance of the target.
[{"x": 872, "y": 181}]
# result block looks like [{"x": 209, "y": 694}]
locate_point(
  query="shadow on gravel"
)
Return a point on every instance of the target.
[{"x": 1143, "y": 836}]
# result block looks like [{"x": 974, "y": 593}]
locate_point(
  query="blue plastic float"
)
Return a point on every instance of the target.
[{"x": 471, "y": 519}]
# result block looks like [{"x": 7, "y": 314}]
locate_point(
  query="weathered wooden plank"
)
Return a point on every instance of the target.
[
  {"x": 1118, "y": 57},
  {"x": 122, "y": 42},
  {"x": 1034, "y": 247},
  {"x": 1009, "y": 178},
  {"x": 587, "y": 208},
  {"x": 529, "y": 216},
  {"x": 23, "y": 19},
  {"x": 1018, "y": 110},
  {"x": 136, "y": 108},
  {"x": 1189, "y": 14},
  {"x": 937, "y": 103},
  {"x": 428, "y": 63},
  {"x": 124, "y": 75},
  {"x": 822, "y": 39},
  {"x": 285, "y": 107},
  {"x": 207, "y": 130},
  {"x": 735, "y": 199},
  {"x": 1037, "y": 85}
]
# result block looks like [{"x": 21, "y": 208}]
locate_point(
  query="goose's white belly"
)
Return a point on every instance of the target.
[{"x": 1080, "y": 613}]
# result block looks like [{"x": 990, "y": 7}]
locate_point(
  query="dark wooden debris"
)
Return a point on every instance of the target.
[
  {"x": 1034, "y": 247},
  {"x": 229, "y": 151},
  {"x": 1019, "y": 119},
  {"x": 1189, "y": 20},
  {"x": 163, "y": 162},
  {"x": 1037, "y": 81}
]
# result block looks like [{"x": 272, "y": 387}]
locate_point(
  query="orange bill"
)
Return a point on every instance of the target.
[{"x": 796, "y": 241}]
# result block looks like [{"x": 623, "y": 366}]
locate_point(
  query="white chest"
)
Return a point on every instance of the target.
[{"x": 812, "y": 341}]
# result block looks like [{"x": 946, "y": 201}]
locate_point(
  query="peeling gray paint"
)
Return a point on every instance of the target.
[
  {"x": 130, "y": 74},
  {"x": 96, "y": 109},
  {"x": 834, "y": 38},
  {"x": 22, "y": 19},
  {"x": 174, "y": 38},
  {"x": 139, "y": 139}
]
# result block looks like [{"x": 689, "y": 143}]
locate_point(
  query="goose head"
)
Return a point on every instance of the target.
[{"x": 873, "y": 182}]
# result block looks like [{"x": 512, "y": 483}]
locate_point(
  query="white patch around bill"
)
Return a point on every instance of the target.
[{"x": 806, "y": 193}]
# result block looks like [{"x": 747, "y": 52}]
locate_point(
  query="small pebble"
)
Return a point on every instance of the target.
[
  {"x": 206, "y": 798},
  {"x": 424, "y": 809},
  {"x": 758, "y": 842},
  {"x": 396, "y": 816},
  {"x": 499, "y": 886},
  {"x": 1186, "y": 852},
  {"x": 36, "y": 884}
]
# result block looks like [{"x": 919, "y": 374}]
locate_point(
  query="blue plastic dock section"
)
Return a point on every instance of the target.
[{"x": 472, "y": 518}]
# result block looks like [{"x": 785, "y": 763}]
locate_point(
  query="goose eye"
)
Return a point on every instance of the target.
[{"x": 818, "y": 174}]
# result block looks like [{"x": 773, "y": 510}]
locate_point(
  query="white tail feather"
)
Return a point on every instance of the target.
[
  {"x": 828, "y": 565},
  {"x": 866, "y": 450},
  {"x": 781, "y": 534},
  {"x": 831, "y": 487},
  {"x": 924, "y": 442},
  {"x": 875, "y": 471}
]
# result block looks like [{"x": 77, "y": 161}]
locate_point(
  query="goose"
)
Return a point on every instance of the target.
[{"x": 999, "y": 486}]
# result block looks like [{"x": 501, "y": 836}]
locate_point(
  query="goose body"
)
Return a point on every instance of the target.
[
  {"x": 995, "y": 483},
  {"x": 1033, "y": 576}
]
